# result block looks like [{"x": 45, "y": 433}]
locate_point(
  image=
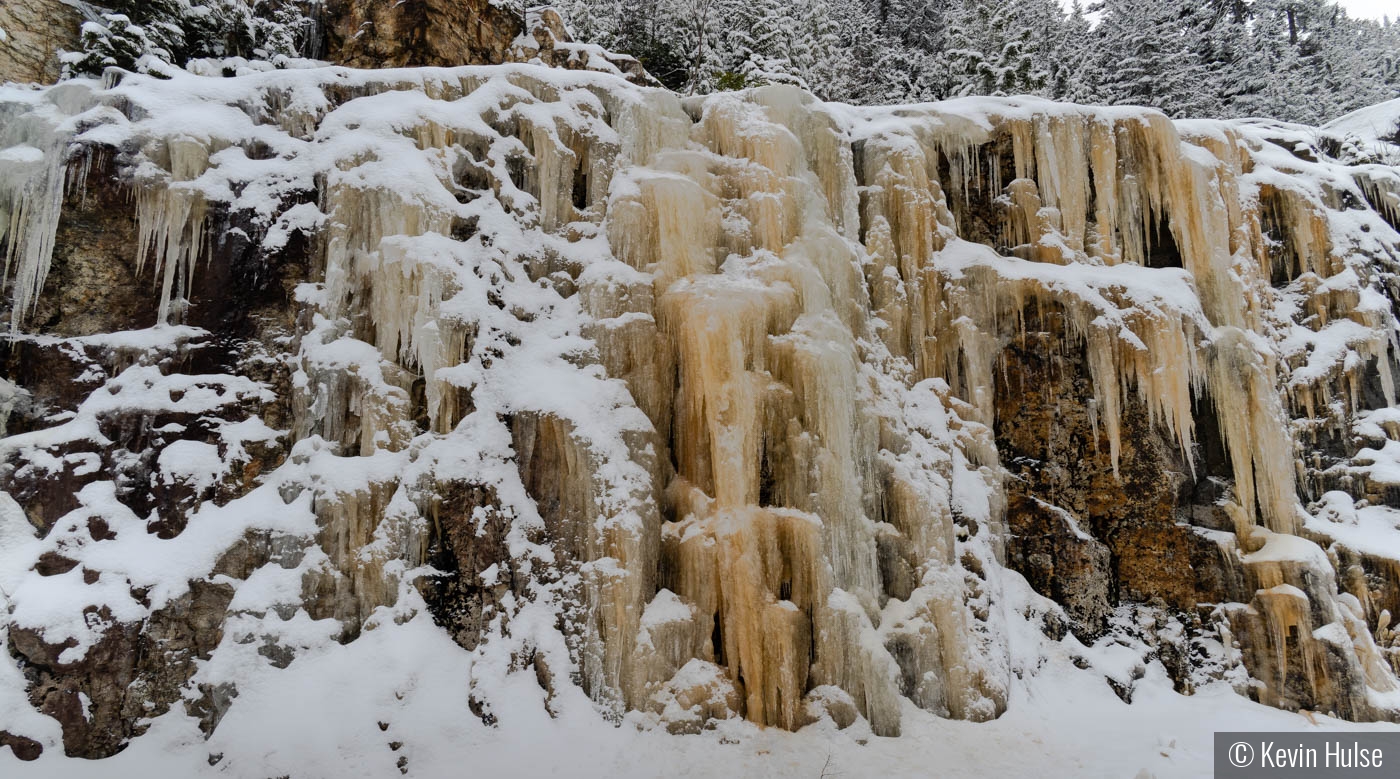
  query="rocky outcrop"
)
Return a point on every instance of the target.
[
  {"x": 444, "y": 33},
  {"x": 548, "y": 41},
  {"x": 375, "y": 34},
  {"x": 96, "y": 289},
  {"x": 1082, "y": 534},
  {"x": 133, "y": 673},
  {"x": 31, "y": 34}
]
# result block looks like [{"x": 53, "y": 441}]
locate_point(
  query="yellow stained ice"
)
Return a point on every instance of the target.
[{"x": 741, "y": 229}]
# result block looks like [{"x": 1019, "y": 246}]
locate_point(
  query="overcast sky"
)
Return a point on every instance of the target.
[{"x": 1372, "y": 9}]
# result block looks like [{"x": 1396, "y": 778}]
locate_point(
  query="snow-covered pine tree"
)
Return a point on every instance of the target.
[
  {"x": 1076, "y": 77},
  {"x": 883, "y": 70},
  {"x": 646, "y": 29},
  {"x": 992, "y": 49},
  {"x": 1351, "y": 62},
  {"x": 1219, "y": 32},
  {"x": 819, "y": 55},
  {"x": 150, "y": 34},
  {"x": 762, "y": 43},
  {"x": 114, "y": 41},
  {"x": 591, "y": 20},
  {"x": 1051, "y": 51},
  {"x": 695, "y": 28},
  {"x": 1146, "y": 57},
  {"x": 1293, "y": 59}
]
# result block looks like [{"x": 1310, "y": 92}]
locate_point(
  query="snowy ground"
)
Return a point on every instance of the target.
[
  {"x": 323, "y": 722},
  {"x": 1370, "y": 125}
]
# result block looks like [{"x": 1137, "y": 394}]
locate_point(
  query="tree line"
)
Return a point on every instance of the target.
[{"x": 1298, "y": 60}]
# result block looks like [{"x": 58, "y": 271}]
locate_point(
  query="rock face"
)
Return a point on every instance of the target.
[
  {"x": 34, "y": 31},
  {"x": 1082, "y": 534},
  {"x": 372, "y": 34},
  {"x": 737, "y": 406},
  {"x": 354, "y": 33},
  {"x": 444, "y": 33}
]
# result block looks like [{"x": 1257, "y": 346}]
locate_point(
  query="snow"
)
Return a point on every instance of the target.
[
  {"x": 192, "y": 463},
  {"x": 18, "y": 546},
  {"x": 1368, "y": 9},
  {"x": 1279, "y": 547},
  {"x": 665, "y": 607},
  {"x": 17, "y": 543},
  {"x": 1382, "y": 465},
  {"x": 321, "y": 716},
  {"x": 1371, "y": 530},
  {"x": 161, "y": 338},
  {"x": 141, "y": 388},
  {"x": 1371, "y": 123},
  {"x": 132, "y": 558}
]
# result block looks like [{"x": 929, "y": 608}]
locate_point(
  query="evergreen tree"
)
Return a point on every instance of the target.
[
  {"x": 993, "y": 50},
  {"x": 1147, "y": 58},
  {"x": 762, "y": 43},
  {"x": 1076, "y": 77},
  {"x": 1299, "y": 60},
  {"x": 152, "y": 34},
  {"x": 820, "y": 58},
  {"x": 696, "y": 27}
]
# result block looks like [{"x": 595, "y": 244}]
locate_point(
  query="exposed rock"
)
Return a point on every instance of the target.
[
  {"x": 699, "y": 695},
  {"x": 24, "y": 748},
  {"x": 1082, "y": 534},
  {"x": 467, "y": 549},
  {"x": 34, "y": 32},
  {"x": 375, "y": 34},
  {"x": 1061, "y": 561},
  {"x": 134, "y": 672},
  {"x": 549, "y": 42}
]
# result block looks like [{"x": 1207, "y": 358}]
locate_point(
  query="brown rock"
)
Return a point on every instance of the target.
[
  {"x": 1061, "y": 561},
  {"x": 459, "y": 601},
  {"x": 24, "y": 748},
  {"x": 373, "y": 34},
  {"x": 34, "y": 32},
  {"x": 1081, "y": 534},
  {"x": 53, "y": 564},
  {"x": 446, "y": 33},
  {"x": 133, "y": 672}
]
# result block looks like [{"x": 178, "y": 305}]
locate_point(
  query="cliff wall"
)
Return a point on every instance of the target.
[{"x": 745, "y": 406}]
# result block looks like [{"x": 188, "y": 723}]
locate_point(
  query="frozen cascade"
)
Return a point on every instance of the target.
[
  {"x": 699, "y": 396},
  {"x": 34, "y": 139}
]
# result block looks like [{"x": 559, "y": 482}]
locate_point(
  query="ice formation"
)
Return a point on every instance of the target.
[{"x": 697, "y": 396}]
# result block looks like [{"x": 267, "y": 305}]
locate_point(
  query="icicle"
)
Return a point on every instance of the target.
[
  {"x": 172, "y": 231},
  {"x": 33, "y": 165},
  {"x": 1253, "y": 427}
]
